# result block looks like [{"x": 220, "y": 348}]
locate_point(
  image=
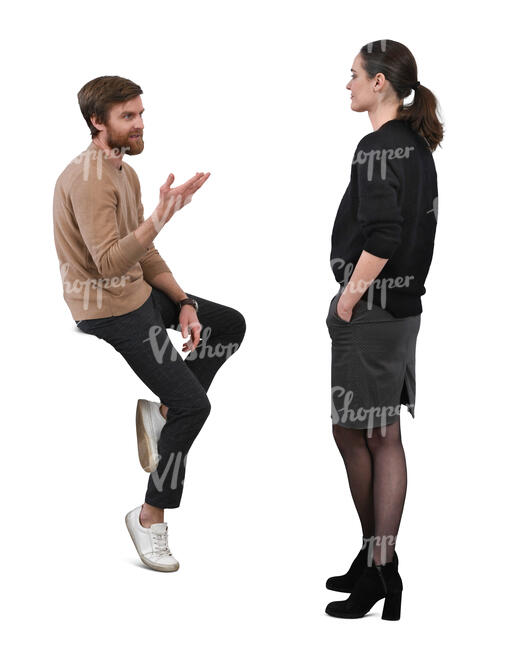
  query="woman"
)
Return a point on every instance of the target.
[{"x": 382, "y": 246}]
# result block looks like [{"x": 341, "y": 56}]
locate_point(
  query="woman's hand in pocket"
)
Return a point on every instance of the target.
[{"x": 343, "y": 311}]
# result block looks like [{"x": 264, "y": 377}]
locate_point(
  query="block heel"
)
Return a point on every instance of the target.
[{"x": 392, "y": 607}]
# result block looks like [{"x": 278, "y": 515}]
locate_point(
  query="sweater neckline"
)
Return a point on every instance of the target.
[
  {"x": 406, "y": 123},
  {"x": 395, "y": 119}
]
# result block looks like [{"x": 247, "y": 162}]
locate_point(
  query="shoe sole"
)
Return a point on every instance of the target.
[
  {"x": 350, "y": 616},
  {"x": 155, "y": 567},
  {"x": 145, "y": 455},
  {"x": 386, "y": 615}
]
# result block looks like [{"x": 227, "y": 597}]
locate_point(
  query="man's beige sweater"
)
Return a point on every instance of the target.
[{"x": 105, "y": 270}]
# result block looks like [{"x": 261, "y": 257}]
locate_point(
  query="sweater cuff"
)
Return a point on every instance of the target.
[
  {"x": 376, "y": 246},
  {"x": 132, "y": 250}
]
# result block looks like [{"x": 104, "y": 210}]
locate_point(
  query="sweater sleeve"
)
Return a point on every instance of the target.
[
  {"x": 94, "y": 206},
  {"x": 378, "y": 207},
  {"x": 152, "y": 263}
]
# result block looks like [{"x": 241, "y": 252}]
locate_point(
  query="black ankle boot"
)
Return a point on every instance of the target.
[
  {"x": 346, "y": 582},
  {"x": 375, "y": 583}
]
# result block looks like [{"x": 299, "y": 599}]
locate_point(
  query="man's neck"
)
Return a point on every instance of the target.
[{"x": 114, "y": 160}]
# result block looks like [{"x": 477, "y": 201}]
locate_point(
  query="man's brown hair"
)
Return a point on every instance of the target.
[{"x": 99, "y": 95}]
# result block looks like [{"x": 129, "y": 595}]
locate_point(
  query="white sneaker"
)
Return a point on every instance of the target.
[
  {"x": 151, "y": 543},
  {"x": 150, "y": 422}
]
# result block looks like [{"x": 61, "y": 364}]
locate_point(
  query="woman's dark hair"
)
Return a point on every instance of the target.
[
  {"x": 397, "y": 63},
  {"x": 99, "y": 95}
]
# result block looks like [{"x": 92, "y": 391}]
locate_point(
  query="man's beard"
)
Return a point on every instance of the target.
[{"x": 124, "y": 144}]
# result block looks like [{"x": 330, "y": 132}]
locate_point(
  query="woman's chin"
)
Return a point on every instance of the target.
[{"x": 356, "y": 107}]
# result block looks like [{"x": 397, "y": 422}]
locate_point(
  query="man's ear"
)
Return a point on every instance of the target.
[{"x": 95, "y": 123}]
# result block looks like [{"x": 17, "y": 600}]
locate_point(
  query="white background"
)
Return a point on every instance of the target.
[{"x": 255, "y": 94}]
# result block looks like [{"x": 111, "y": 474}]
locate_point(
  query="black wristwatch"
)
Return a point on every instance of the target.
[{"x": 189, "y": 301}]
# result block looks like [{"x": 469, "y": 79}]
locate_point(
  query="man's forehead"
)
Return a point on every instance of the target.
[{"x": 131, "y": 105}]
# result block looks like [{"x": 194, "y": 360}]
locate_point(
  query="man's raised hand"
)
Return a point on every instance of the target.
[{"x": 173, "y": 199}]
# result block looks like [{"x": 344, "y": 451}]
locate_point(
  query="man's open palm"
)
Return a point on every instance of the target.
[{"x": 173, "y": 199}]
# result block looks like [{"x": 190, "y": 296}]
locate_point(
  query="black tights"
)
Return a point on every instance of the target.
[{"x": 376, "y": 467}]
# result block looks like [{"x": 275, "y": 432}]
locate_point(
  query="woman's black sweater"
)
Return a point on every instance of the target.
[{"x": 389, "y": 209}]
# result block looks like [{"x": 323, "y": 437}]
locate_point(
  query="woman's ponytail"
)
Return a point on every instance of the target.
[{"x": 422, "y": 116}]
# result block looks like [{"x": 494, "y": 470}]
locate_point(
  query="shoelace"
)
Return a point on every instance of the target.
[{"x": 161, "y": 542}]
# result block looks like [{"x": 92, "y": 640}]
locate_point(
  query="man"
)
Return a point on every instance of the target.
[{"x": 118, "y": 288}]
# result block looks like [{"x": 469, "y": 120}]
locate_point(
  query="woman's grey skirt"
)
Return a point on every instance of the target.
[{"x": 373, "y": 365}]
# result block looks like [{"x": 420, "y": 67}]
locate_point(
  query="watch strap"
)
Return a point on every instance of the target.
[{"x": 189, "y": 301}]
